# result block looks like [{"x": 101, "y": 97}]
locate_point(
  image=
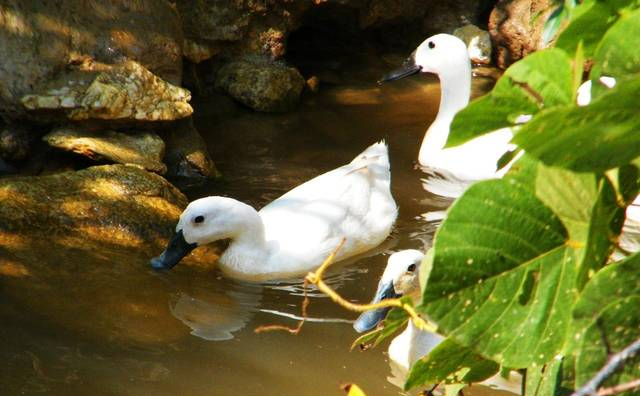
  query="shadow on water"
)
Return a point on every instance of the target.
[{"x": 85, "y": 316}]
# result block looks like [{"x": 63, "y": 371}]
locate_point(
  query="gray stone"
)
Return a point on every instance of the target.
[
  {"x": 263, "y": 86},
  {"x": 186, "y": 155}
]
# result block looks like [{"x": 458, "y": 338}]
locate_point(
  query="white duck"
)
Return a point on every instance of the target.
[
  {"x": 296, "y": 232},
  {"x": 401, "y": 278},
  {"x": 447, "y": 57}
]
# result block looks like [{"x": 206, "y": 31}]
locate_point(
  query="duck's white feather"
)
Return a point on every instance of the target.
[
  {"x": 353, "y": 202},
  {"x": 295, "y": 233}
]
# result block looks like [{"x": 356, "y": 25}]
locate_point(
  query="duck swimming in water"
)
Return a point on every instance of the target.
[
  {"x": 295, "y": 233},
  {"x": 401, "y": 278},
  {"x": 447, "y": 56}
]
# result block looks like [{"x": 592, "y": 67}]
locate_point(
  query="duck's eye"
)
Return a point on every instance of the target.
[
  {"x": 431, "y": 44},
  {"x": 411, "y": 268},
  {"x": 198, "y": 219}
]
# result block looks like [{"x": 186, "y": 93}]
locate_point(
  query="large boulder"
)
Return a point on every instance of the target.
[
  {"x": 126, "y": 93},
  {"x": 39, "y": 40},
  {"x": 116, "y": 205},
  {"x": 75, "y": 250},
  {"x": 263, "y": 86},
  {"x": 516, "y": 28},
  {"x": 143, "y": 148}
]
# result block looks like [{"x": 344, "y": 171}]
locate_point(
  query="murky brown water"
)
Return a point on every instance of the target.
[{"x": 100, "y": 322}]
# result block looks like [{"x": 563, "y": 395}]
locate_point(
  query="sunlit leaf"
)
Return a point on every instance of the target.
[
  {"x": 608, "y": 312},
  {"x": 544, "y": 380},
  {"x": 543, "y": 79},
  {"x": 588, "y": 25},
  {"x": 593, "y": 138},
  {"x": 618, "y": 55},
  {"x": 503, "y": 276},
  {"x": 450, "y": 362}
]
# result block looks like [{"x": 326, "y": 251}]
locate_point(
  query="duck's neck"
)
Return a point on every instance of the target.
[
  {"x": 248, "y": 253},
  {"x": 455, "y": 90}
]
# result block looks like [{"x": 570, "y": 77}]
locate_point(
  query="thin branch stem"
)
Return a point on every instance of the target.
[
  {"x": 614, "y": 363},
  {"x": 614, "y": 390},
  {"x": 316, "y": 279}
]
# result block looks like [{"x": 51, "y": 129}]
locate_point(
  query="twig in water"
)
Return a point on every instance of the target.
[
  {"x": 614, "y": 363},
  {"x": 316, "y": 279},
  {"x": 292, "y": 330}
]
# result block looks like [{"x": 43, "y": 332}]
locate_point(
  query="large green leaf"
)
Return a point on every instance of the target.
[
  {"x": 511, "y": 256},
  {"x": 448, "y": 363},
  {"x": 543, "y": 79},
  {"x": 618, "y": 55},
  {"x": 544, "y": 380},
  {"x": 593, "y": 138},
  {"x": 607, "y": 313},
  {"x": 502, "y": 278},
  {"x": 589, "y": 22}
]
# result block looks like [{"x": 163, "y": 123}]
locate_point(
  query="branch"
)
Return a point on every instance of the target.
[
  {"x": 316, "y": 279},
  {"x": 627, "y": 386},
  {"x": 614, "y": 363}
]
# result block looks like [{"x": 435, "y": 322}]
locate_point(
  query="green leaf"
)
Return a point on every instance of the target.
[
  {"x": 618, "y": 55},
  {"x": 450, "y": 363},
  {"x": 502, "y": 278},
  {"x": 543, "y": 79},
  {"x": 607, "y": 311},
  {"x": 593, "y": 138},
  {"x": 545, "y": 380},
  {"x": 395, "y": 320},
  {"x": 588, "y": 24}
]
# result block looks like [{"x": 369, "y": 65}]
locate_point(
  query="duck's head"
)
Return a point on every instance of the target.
[
  {"x": 204, "y": 221},
  {"x": 400, "y": 278},
  {"x": 439, "y": 54}
]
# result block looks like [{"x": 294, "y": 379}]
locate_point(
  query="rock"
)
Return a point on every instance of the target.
[
  {"x": 516, "y": 28},
  {"x": 187, "y": 156},
  {"x": 125, "y": 92},
  {"x": 77, "y": 247},
  {"x": 145, "y": 149},
  {"x": 15, "y": 142},
  {"x": 478, "y": 43},
  {"x": 107, "y": 205},
  {"x": 313, "y": 84},
  {"x": 263, "y": 86},
  {"x": 238, "y": 28},
  {"x": 38, "y": 40}
]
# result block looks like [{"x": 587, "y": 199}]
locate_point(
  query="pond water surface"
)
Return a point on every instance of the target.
[{"x": 105, "y": 324}]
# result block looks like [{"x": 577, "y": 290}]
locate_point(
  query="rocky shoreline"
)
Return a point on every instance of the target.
[{"x": 111, "y": 82}]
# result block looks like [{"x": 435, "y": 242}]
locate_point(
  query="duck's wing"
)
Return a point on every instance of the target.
[
  {"x": 345, "y": 202},
  {"x": 476, "y": 159}
]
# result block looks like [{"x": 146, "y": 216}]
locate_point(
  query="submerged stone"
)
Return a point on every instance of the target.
[
  {"x": 186, "y": 155},
  {"x": 139, "y": 148},
  {"x": 263, "y": 86},
  {"x": 75, "y": 250},
  {"x": 123, "y": 92}
]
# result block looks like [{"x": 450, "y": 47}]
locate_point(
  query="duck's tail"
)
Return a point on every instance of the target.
[{"x": 377, "y": 153}]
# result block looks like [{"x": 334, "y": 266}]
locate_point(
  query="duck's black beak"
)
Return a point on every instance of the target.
[
  {"x": 408, "y": 68},
  {"x": 370, "y": 319},
  {"x": 175, "y": 251}
]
